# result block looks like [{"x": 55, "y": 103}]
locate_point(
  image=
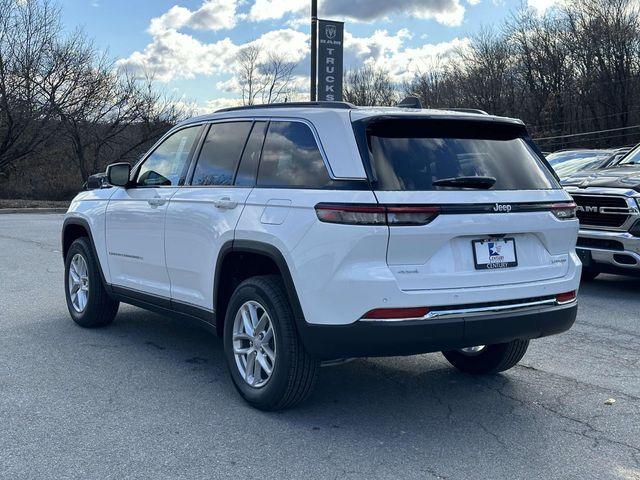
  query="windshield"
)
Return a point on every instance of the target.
[
  {"x": 632, "y": 158},
  {"x": 575, "y": 165},
  {"x": 417, "y": 155},
  {"x": 562, "y": 157}
]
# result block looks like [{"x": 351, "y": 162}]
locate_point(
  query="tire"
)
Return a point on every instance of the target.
[
  {"x": 588, "y": 274},
  {"x": 491, "y": 359},
  {"x": 98, "y": 309},
  {"x": 293, "y": 371}
]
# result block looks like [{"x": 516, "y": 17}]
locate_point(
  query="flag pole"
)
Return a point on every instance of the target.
[{"x": 314, "y": 49}]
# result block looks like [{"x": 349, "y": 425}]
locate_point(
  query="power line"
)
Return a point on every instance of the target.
[
  {"x": 599, "y": 139},
  {"x": 581, "y": 120},
  {"x": 587, "y": 133}
]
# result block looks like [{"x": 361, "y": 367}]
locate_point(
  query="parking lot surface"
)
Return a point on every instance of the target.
[{"x": 149, "y": 396}]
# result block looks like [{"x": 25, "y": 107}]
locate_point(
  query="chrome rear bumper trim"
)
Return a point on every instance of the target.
[{"x": 479, "y": 311}]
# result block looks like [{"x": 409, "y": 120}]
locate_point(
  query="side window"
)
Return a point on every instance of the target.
[
  {"x": 167, "y": 165},
  {"x": 291, "y": 158},
  {"x": 220, "y": 153},
  {"x": 248, "y": 169}
]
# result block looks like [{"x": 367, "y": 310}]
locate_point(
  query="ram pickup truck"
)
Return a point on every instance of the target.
[{"x": 608, "y": 207}]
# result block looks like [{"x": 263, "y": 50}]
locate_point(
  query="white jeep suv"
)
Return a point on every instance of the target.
[{"x": 311, "y": 232}]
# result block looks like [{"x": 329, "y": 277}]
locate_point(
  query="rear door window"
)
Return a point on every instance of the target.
[
  {"x": 248, "y": 169},
  {"x": 291, "y": 158},
  {"x": 220, "y": 153},
  {"x": 410, "y": 155}
]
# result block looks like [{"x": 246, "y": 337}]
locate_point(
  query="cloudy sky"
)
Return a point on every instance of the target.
[{"x": 191, "y": 44}]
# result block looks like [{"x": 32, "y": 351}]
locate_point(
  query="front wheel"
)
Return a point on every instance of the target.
[
  {"x": 87, "y": 300},
  {"x": 486, "y": 359},
  {"x": 266, "y": 358}
]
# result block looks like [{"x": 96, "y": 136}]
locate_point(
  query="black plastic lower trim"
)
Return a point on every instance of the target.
[
  {"x": 377, "y": 339},
  {"x": 164, "y": 306}
]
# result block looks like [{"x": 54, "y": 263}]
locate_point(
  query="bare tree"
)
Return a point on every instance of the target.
[
  {"x": 369, "y": 85},
  {"x": 605, "y": 48},
  {"x": 248, "y": 72},
  {"x": 29, "y": 58},
  {"x": 58, "y": 92},
  {"x": 264, "y": 76},
  {"x": 277, "y": 74},
  {"x": 484, "y": 72}
]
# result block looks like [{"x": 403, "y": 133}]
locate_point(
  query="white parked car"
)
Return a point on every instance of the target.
[{"x": 310, "y": 232}]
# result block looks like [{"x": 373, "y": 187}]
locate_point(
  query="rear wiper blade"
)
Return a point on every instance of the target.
[{"x": 484, "y": 183}]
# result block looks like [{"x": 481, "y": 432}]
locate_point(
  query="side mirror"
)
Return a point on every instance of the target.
[
  {"x": 118, "y": 174},
  {"x": 97, "y": 181}
]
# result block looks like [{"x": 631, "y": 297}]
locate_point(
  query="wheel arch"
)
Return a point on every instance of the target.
[
  {"x": 74, "y": 228},
  {"x": 241, "y": 259}
]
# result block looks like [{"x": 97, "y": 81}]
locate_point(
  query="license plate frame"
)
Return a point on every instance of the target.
[{"x": 501, "y": 243}]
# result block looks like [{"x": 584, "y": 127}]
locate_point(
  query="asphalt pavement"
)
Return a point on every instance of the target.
[{"x": 149, "y": 397}]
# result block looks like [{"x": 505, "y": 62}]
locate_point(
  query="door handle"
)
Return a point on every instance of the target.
[
  {"x": 225, "y": 203},
  {"x": 156, "y": 202}
]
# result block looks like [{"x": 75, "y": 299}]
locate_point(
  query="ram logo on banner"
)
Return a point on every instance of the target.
[{"x": 330, "y": 54}]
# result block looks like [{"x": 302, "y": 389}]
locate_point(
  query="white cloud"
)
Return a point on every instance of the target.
[
  {"x": 273, "y": 9},
  {"x": 291, "y": 44},
  {"x": 389, "y": 51},
  {"x": 177, "y": 55},
  {"x": 212, "y": 15},
  {"x": 218, "y": 103},
  {"x": 542, "y": 6},
  {"x": 174, "y": 55},
  {"x": 447, "y": 12}
]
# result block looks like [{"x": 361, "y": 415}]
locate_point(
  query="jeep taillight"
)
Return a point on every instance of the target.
[
  {"x": 411, "y": 214},
  {"x": 373, "y": 214},
  {"x": 351, "y": 214},
  {"x": 564, "y": 210}
]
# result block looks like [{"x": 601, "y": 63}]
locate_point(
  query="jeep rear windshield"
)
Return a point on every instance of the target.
[{"x": 413, "y": 154}]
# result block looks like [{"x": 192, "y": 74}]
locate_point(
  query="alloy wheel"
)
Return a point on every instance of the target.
[
  {"x": 473, "y": 350},
  {"x": 254, "y": 344},
  {"x": 78, "y": 283}
]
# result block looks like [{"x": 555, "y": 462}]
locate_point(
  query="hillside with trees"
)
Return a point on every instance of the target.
[
  {"x": 67, "y": 110},
  {"x": 572, "y": 71}
]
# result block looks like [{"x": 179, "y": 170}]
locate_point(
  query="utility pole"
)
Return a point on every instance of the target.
[{"x": 314, "y": 48}]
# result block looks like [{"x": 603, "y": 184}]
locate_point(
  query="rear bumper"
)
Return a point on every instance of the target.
[
  {"x": 376, "y": 339},
  {"x": 606, "y": 251}
]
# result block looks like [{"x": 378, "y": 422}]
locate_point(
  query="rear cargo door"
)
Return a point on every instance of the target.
[{"x": 493, "y": 201}]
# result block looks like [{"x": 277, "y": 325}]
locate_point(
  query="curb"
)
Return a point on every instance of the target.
[{"x": 32, "y": 210}]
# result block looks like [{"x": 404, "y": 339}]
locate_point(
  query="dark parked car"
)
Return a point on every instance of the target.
[{"x": 568, "y": 162}]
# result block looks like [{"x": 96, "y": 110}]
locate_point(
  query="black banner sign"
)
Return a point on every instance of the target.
[{"x": 330, "y": 57}]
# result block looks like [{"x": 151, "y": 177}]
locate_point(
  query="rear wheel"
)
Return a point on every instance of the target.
[
  {"x": 87, "y": 300},
  {"x": 589, "y": 274},
  {"x": 266, "y": 358},
  {"x": 486, "y": 359}
]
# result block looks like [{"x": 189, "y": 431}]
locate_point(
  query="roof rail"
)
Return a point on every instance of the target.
[
  {"x": 340, "y": 105},
  {"x": 466, "y": 110}
]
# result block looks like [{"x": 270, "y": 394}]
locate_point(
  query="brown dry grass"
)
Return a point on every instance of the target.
[{"x": 8, "y": 203}]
